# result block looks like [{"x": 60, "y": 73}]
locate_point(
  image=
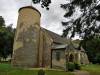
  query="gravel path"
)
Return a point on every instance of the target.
[{"x": 81, "y": 73}]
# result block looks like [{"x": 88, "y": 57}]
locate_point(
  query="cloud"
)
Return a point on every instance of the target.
[
  {"x": 50, "y": 20},
  {"x": 8, "y": 10}
]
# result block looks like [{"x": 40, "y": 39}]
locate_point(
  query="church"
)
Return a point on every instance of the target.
[{"x": 36, "y": 47}]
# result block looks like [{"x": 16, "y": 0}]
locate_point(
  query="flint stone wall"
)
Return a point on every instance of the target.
[{"x": 25, "y": 50}]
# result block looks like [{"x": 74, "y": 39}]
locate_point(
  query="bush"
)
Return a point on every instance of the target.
[
  {"x": 41, "y": 72},
  {"x": 70, "y": 66},
  {"x": 77, "y": 66}
]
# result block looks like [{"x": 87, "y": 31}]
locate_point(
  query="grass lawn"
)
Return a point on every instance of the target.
[
  {"x": 7, "y": 69},
  {"x": 93, "y": 69}
]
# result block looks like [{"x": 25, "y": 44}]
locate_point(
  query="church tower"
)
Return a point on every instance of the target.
[{"x": 26, "y": 41}]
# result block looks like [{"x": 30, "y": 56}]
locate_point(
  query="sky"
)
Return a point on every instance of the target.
[{"x": 50, "y": 20}]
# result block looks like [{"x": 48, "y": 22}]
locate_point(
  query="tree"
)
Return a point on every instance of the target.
[
  {"x": 6, "y": 39},
  {"x": 44, "y": 3},
  {"x": 2, "y": 32},
  {"x": 86, "y": 24},
  {"x": 2, "y": 22},
  {"x": 9, "y": 38},
  {"x": 92, "y": 48}
]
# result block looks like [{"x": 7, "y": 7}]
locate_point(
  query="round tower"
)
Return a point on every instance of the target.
[{"x": 25, "y": 50}]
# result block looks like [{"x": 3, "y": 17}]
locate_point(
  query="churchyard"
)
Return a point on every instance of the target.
[
  {"x": 92, "y": 69},
  {"x": 7, "y": 69},
  {"x": 30, "y": 49}
]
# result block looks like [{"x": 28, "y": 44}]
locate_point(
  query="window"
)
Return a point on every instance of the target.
[{"x": 57, "y": 56}]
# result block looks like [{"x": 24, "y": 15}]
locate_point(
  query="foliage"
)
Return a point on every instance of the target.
[
  {"x": 97, "y": 58},
  {"x": 92, "y": 48},
  {"x": 77, "y": 66},
  {"x": 6, "y": 39},
  {"x": 86, "y": 24},
  {"x": 44, "y": 3},
  {"x": 41, "y": 72},
  {"x": 70, "y": 66},
  {"x": 2, "y": 22}
]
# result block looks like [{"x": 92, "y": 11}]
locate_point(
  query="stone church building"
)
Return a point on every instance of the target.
[{"x": 35, "y": 46}]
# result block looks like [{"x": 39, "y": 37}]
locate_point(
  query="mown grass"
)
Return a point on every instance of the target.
[
  {"x": 92, "y": 69},
  {"x": 7, "y": 69}
]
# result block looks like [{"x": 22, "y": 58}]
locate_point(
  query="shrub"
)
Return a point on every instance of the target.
[
  {"x": 77, "y": 66},
  {"x": 41, "y": 72},
  {"x": 70, "y": 66}
]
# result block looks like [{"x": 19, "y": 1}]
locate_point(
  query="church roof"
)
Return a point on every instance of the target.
[
  {"x": 60, "y": 42},
  {"x": 56, "y": 38}
]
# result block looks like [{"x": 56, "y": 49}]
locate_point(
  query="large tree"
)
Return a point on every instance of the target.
[
  {"x": 6, "y": 39},
  {"x": 92, "y": 48},
  {"x": 85, "y": 25}
]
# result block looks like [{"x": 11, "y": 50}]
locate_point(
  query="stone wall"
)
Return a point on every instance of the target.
[
  {"x": 47, "y": 42},
  {"x": 41, "y": 49},
  {"x": 61, "y": 63},
  {"x": 25, "y": 50}
]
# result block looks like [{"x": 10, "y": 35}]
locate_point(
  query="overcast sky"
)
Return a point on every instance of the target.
[{"x": 50, "y": 20}]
